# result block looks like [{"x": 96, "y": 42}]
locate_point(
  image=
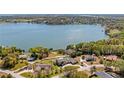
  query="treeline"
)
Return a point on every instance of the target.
[
  {"x": 118, "y": 25},
  {"x": 101, "y": 47},
  {"x": 58, "y": 19}
]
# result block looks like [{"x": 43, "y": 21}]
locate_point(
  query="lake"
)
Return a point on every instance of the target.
[{"x": 24, "y": 35}]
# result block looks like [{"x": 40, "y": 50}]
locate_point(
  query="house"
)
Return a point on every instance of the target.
[
  {"x": 114, "y": 75},
  {"x": 87, "y": 58},
  {"x": 103, "y": 75},
  {"x": 111, "y": 58},
  {"x": 45, "y": 67},
  {"x": 39, "y": 67},
  {"x": 31, "y": 59},
  {"x": 69, "y": 51},
  {"x": 65, "y": 60},
  {"x": 44, "y": 55},
  {"x": 23, "y": 56},
  {"x": 90, "y": 58}
]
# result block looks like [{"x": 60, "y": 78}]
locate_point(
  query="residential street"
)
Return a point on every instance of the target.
[{"x": 15, "y": 75}]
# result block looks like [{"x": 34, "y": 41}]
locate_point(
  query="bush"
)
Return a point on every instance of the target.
[
  {"x": 77, "y": 74},
  {"x": 9, "y": 76},
  {"x": 73, "y": 55},
  {"x": 122, "y": 57},
  {"x": 79, "y": 53},
  {"x": 101, "y": 61}
]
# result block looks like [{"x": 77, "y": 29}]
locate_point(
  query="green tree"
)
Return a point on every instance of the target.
[
  {"x": 122, "y": 56},
  {"x": 73, "y": 55},
  {"x": 9, "y": 61}
]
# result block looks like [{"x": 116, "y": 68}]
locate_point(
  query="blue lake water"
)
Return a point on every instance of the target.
[{"x": 24, "y": 35}]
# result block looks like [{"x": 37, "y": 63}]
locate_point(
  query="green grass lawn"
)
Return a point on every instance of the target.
[
  {"x": 54, "y": 54},
  {"x": 19, "y": 65},
  {"x": 68, "y": 68},
  {"x": 27, "y": 75},
  {"x": 45, "y": 62}
]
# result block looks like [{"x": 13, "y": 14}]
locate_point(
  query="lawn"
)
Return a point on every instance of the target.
[
  {"x": 45, "y": 62},
  {"x": 19, "y": 65},
  {"x": 54, "y": 54},
  {"x": 27, "y": 74},
  {"x": 69, "y": 68},
  {"x": 99, "y": 69}
]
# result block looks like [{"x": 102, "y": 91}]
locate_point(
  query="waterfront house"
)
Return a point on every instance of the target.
[
  {"x": 42, "y": 67},
  {"x": 90, "y": 58},
  {"x": 111, "y": 58},
  {"x": 65, "y": 60},
  {"x": 39, "y": 67},
  {"x": 31, "y": 58},
  {"x": 87, "y": 58},
  {"x": 23, "y": 56},
  {"x": 69, "y": 51}
]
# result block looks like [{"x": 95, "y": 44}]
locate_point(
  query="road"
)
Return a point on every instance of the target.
[
  {"x": 25, "y": 71},
  {"x": 15, "y": 75}
]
